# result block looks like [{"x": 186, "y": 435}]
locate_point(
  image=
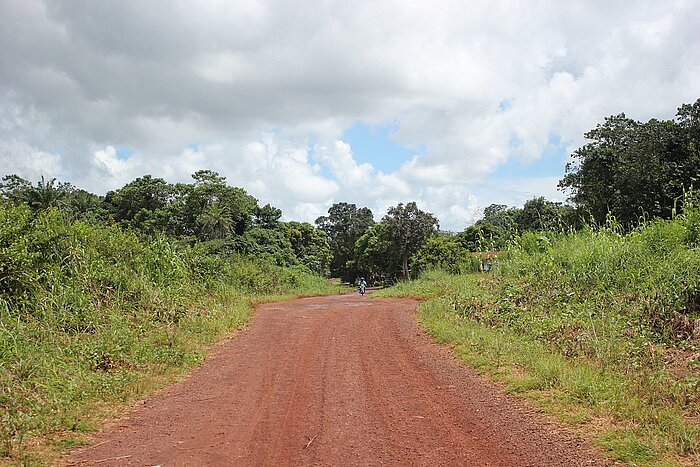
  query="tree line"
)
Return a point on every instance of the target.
[
  {"x": 222, "y": 219},
  {"x": 629, "y": 170},
  {"x": 408, "y": 240},
  {"x": 634, "y": 170}
]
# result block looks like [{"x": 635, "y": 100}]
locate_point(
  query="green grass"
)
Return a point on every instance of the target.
[{"x": 595, "y": 327}]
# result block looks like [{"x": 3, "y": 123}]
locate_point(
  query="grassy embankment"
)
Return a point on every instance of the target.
[
  {"x": 92, "y": 317},
  {"x": 599, "y": 328}
]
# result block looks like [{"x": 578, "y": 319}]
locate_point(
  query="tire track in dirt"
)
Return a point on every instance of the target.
[{"x": 344, "y": 380}]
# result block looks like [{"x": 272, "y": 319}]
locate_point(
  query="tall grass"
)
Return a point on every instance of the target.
[
  {"x": 600, "y": 326},
  {"x": 91, "y": 315}
]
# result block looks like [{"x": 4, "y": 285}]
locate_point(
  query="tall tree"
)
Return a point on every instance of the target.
[
  {"x": 482, "y": 236},
  {"x": 269, "y": 244},
  {"x": 408, "y": 228},
  {"x": 84, "y": 205},
  {"x": 374, "y": 256},
  {"x": 498, "y": 225},
  {"x": 591, "y": 177},
  {"x": 48, "y": 194},
  {"x": 688, "y": 116},
  {"x": 267, "y": 216},
  {"x": 210, "y": 188},
  {"x": 142, "y": 204},
  {"x": 497, "y": 215},
  {"x": 15, "y": 188},
  {"x": 215, "y": 221},
  {"x": 344, "y": 225},
  {"x": 444, "y": 252}
]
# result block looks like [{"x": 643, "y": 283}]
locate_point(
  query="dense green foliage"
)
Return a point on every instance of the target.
[
  {"x": 344, "y": 225},
  {"x": 446, "y": 253},
  {"x": 501, "y": 224},
  {"x": 310, "y": 245},
  {"x": 77, "y": 203},
  {"x": 408, "y": 228},
  {"x": 207, "y": 210},
  {"x": 603, "y": 323},
  {"x": 407, "y": 241},
  {"x": 633, "y": 169},
  {"x": 383, "y": 252},
  {"x": 644, "y": 284},
  {"x": 88, "y": 309}
]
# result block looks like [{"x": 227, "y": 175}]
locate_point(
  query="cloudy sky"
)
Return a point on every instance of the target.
[{"x": 453, "y": 104}]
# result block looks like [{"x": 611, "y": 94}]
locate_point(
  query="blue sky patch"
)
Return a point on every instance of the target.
[
  {"x": 514, "y": 143},
  {"x": 123, "y": 153},
  {"x": 505, "y": 104},
  {"x": 551, "y": 162},
  {"x": 373, "y": 144}
]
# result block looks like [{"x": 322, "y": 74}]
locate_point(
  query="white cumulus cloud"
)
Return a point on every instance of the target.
[{"x": 263, "y": 91}]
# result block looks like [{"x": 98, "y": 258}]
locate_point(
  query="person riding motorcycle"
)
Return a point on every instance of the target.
[{"x": 362, "y": 284}]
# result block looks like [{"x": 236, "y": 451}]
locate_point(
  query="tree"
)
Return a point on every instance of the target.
[
  {"x": 688, "y": 116},
  {"x": 269, "y": 244},
  {"x": 210, "y": 188},
  {"x": 539, "y": 214},
  {"x": 45, "y": 195},
  {"x": 206, "y": 209},
  {"x": 443, "y": 252},
  {"x": 84, "y": 205},
  {"x": 77, "y": 203},
  {"x": 497, "y": 215},
  {"x": 215, "y": 221},
  {"x": 374, "y": 256},
  {"x": 143, "y": 204},
  {"x": 143, "y": 193},
  {"x": 498, "y": 225},
  {"x": 15, "y": 188},
  {"x": 310, "y": 246},
  {"x": 633, "y": 169},
  {"x": 408, "y": 228},
  {"x": 48, "y": 194},
  {"x": 267, "y": 216},
  {"x": 344, "y": 225},
  {"x": 482, "y": 237},
  {"x": 591, "y": 177}
]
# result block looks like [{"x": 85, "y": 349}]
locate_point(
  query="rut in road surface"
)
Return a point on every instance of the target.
[{"x": 343, "y": 380}]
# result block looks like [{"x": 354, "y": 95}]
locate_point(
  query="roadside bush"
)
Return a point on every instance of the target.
[
  {"x": 647, "y": 279},
  {"x": 444, "y": 253}
]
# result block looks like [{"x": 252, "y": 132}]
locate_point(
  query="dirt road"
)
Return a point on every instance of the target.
[{"x": 344, "y": 380}]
